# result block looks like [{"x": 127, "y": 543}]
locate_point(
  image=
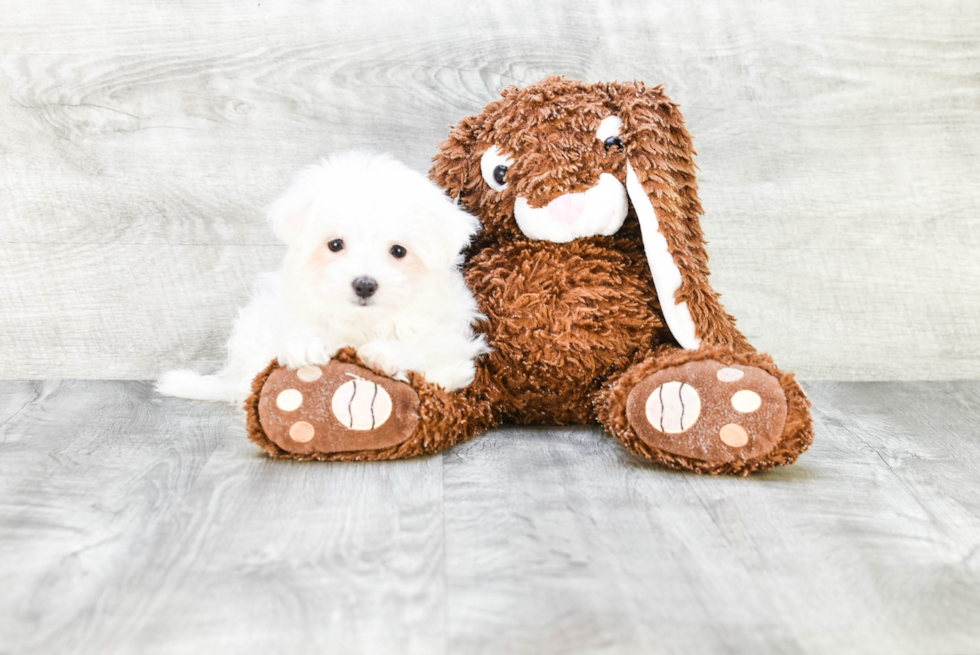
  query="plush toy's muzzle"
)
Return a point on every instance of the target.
[{"x": 599, "y": 211}]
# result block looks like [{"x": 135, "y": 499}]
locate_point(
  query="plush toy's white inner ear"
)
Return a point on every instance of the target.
[{"x": 666, "y": 275}]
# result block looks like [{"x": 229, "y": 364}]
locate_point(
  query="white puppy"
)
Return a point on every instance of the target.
[{"x": 372, "y": 262}]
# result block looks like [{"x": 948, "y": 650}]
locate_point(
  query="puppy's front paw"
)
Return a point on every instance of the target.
[
  {"x": 304, "y": 350},
  {"x": 453, "y": 376},
  {"x": 391, "y": 358}
]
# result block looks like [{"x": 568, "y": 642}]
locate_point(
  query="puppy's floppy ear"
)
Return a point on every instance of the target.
[
  {"x": 457, "y": 227},
  {"x": 287, "y": 214},
  {"x": 661, "y": 183},
  {"x": 450, "y": 230}
]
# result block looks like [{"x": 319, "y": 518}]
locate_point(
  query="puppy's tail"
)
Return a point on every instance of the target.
[{"x": 188, "y": 384}]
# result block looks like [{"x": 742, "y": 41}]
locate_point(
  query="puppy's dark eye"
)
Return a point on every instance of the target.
[
  {"x": 499, "y": 174},
  {"x": 398, "y": 252},
  {"x": 613, "y": 141},
  {"x": 336, "y": 245}
]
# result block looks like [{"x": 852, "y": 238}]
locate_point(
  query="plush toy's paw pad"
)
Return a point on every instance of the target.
[
  {"x": 708, "y": 411},
  {"x": 336, "y": 408}
]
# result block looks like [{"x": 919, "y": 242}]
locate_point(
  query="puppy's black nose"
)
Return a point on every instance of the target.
[{"x": 365, "y": 287}]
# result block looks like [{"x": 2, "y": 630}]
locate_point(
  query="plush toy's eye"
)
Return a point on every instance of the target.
[
  {"x": 494, "y": 165},
  {"x": 612, "y": 141},
  {"x": 398, "y": 252},
  {"x": 499, "y": 174},
  {"x": 609, "y": 130},
  {"x": 336, "y": 245}
]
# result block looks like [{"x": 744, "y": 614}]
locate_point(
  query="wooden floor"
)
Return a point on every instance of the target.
[{"x": 133, "y": 523}]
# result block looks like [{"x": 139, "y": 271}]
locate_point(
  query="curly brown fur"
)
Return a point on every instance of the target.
[{"x": 556, "y": 316}]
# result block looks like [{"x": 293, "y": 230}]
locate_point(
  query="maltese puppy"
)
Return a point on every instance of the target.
[{"x": 372, "y": 262}]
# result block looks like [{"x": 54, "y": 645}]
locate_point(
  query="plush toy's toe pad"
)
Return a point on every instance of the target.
[
  {"x": 708, "y": 411},
  {"x": 336, "y": 408}
]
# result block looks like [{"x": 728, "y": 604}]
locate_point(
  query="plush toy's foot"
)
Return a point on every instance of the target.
[
  {"x": 336, "y": 408},
  {"x": 344, "y": 411},
  {"x": 724, "y": 413},
  {"x": 709, "y": 411}
]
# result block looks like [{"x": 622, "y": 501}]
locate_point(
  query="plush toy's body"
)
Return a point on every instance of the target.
[
  {"x": 563, "y": 319},
  {"x": 592, "y": 272}
]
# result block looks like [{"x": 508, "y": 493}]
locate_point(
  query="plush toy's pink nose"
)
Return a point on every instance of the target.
[{"x": 567, "y": 208}]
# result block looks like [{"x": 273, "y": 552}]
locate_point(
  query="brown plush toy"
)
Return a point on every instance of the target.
[{"x": 592, "y": 272}]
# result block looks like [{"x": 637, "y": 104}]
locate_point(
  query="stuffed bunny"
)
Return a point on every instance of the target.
[{"x": 592, "y": 273}]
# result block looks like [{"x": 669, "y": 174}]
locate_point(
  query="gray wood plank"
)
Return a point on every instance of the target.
[
  {"x": 134, "y": 523},
  {"x": 85, "y": 471},
  {"x": 871, "y": 544},
  {"x": 131, "y": 523},
  {"x": 839, "y": 146}
]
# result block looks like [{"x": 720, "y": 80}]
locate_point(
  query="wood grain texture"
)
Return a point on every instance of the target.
[
  {"x": 131, "y": 523},
  {"x": 839, "y": 151}
]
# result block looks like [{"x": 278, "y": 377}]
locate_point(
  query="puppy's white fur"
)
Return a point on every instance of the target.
[{"x": 419, "y": 319}]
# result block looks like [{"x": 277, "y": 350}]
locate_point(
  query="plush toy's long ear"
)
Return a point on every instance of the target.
[{"x": 661, "y": 183}]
